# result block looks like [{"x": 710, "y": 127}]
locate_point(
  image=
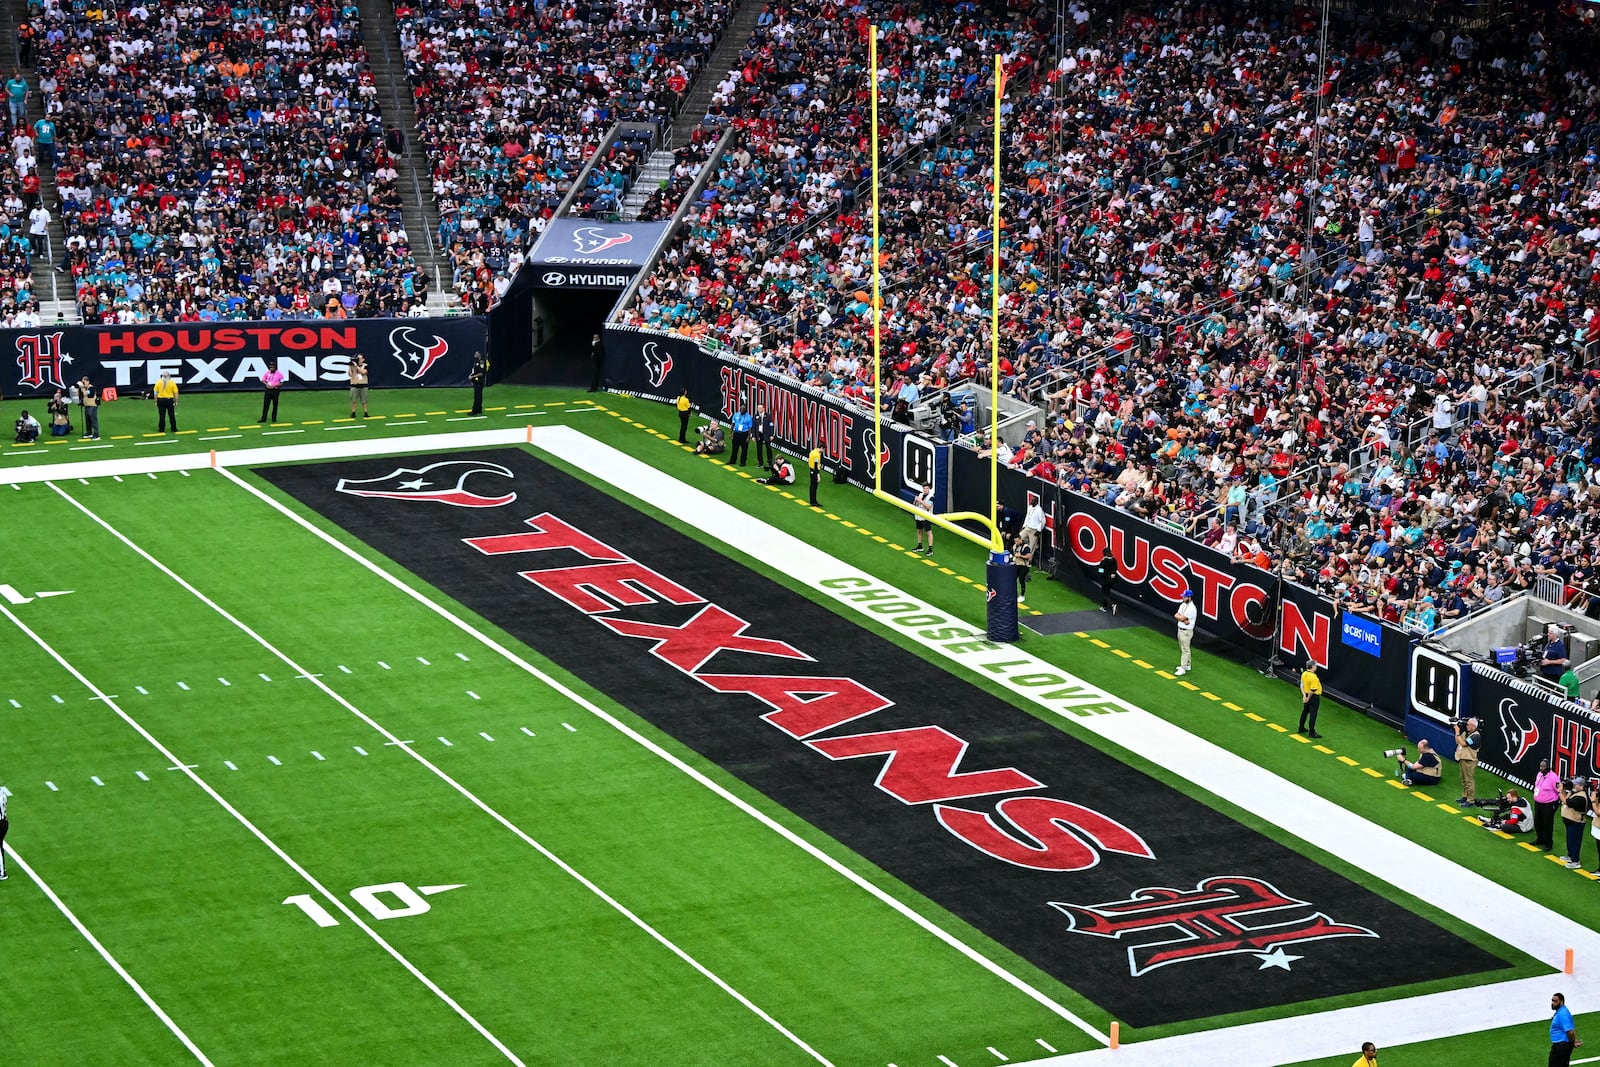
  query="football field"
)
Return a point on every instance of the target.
[
  {"x": 306, "y": 819},
  {"x": 449, "y": 757}
]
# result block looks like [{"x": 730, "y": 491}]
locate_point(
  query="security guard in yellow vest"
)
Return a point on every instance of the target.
[{"x": 684, "y": 407}]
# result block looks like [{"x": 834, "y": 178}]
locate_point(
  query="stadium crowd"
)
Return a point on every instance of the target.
[
  {"x": 221, "y": 162},
  {"x": 1335, "y": 312},
  {"x": 799, "y": 99},
  {"x": 1239, "y": 312},
  {"x": 513, "y": 97}
]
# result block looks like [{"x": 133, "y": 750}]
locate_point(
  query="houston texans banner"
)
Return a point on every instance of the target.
[
  {"x": 1521, "y": 724},
  {"x": 221, "y": 356},
  {"x": 1248, "y": 608},
  {"x": 585, "y": 254}
]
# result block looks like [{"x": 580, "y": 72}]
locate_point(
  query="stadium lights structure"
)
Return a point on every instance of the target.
[{"x": 991, "y": 539}]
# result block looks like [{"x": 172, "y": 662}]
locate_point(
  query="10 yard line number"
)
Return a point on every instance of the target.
[{"x": 370, "y": 897}]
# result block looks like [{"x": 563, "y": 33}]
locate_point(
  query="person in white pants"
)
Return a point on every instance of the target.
[{"x": 1186, "y": 616}]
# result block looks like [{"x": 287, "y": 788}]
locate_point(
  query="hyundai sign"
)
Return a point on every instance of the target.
[{"x": 586, "y": 254}]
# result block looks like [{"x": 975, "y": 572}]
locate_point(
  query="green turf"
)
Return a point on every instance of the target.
[
  {"x": 712, "y": 880},
  {"x": 856, "y": 959}
]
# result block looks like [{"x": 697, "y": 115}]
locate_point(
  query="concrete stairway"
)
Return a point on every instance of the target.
[
  {"x": 53, "y": 291},
  {"x": 656, "y": 171},
  {"x": 724, "y": 57},
  {"x": 399, "y": 109}
]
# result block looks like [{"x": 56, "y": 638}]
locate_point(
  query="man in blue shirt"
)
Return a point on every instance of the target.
[
  {"x": 742, "y": 422},
  {"x": 1563, "y": 1035}
]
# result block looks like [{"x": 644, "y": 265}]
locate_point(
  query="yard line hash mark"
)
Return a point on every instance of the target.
[
  {"x": 529, "y": 732},
  {"x": 555, "y": 860},
  {"x": 143, "y": 777},
  {"x": 228, "y": 763},
  {"x": 275, "y": 761},
  {"x": 359, "y": 750},
  {"x": 473, "y": 695},
  {"x": 699, "y": 777},
  {"x": 485, "y": 736},
  {"x": 255, "y": 831},
  {"x": 445, "y": 741},
  {"x": 111, "y": 960}
]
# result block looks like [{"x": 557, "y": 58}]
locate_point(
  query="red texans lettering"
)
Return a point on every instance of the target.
[{"x": 922, "y": 765}]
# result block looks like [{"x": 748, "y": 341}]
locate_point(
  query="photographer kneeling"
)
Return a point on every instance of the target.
[
  {"x": 1422, "y": 772},
  {"x": 1509, "y": 812},
  {"x": 782, "y": 473},
  {"x": 27, "y": 429}
]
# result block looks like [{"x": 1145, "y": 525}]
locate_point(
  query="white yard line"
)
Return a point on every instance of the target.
[
  {"x": 256, "y": 831},
  {"x": 410, "y": 750},
  {"x": 15, "y": 859},
  {"x": 656, "y": 750}
]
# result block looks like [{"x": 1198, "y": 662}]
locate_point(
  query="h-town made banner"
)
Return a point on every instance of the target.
[
  {"x": 221, "y": 356},
  {"x": 1521, "y": 724}
]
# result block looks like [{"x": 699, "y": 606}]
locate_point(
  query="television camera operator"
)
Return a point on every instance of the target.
[
  {"x": 1509, "y": 812},
  {"x": 1553, "y": 664},
  {"x": 1467, "y": 742}
]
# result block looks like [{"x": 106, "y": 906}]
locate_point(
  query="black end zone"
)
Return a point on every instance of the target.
[{"x": 1147, "y": 902}]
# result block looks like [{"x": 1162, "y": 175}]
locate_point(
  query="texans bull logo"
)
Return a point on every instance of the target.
[
  {"x": 416, "y": 358},
  {"x": 879, "y": 454},
  {"x": 657, "y": 364},
  {"x": 1520, "y": 739},
  {"x": 592, "y": 240},
  {"x": 442, "y": 483}
]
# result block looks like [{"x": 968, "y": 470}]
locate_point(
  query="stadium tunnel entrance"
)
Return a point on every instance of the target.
[{"x": 560, "y": 328}]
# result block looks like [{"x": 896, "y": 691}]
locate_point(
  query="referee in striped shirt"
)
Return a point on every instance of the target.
[{"x": 4, "y": 826}]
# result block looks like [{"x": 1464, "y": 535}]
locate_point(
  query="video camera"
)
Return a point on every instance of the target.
[{"x": 1508, "y": 815}]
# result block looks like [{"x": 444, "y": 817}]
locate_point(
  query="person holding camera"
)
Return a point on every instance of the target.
[
  {"x": 27, "y": 429},
  {"x": 1422, "y": 772},
  {"x": 1546, "y": 799},
  {"x": 1467, "y": 742},
  {"x": 360, "y": 381},
  {"x": 89, "y": 399},
  {"x": 1575, "y": 808}
]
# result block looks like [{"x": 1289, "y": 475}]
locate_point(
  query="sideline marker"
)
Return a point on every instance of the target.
[
  {"x": 530, "y": 433},
  {"x": 1116, "y": 1034},
  {"x": 1566, "y": 966},
  {"x": 213, "y": 457}
]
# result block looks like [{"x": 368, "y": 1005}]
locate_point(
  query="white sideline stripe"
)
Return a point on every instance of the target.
[
  {"x": 1378, "y": 852},
  {"x": 338, "y": 448},
  {"x": 571, "y": 871},
  {"x": 106, "y": 955},
  {"x": 256, "y": 831},
  {"x": 600, "y": 713}
]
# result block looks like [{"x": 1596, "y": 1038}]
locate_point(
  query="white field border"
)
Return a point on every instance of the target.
[
  {"x": 1500, "y": 912},
  {"x": 406, "y": 747},
  {"x": 106, "y": 955},
  {"x": 260, "y": 835}
]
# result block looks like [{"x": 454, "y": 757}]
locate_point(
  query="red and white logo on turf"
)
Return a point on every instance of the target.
[
  {"x": 1223, "y": 916},
  {"x": 416, "y": 356},
  {"x": 442, "y": 483}
]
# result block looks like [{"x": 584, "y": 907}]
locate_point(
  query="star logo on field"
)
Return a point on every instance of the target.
[
  {"x": 1276, "y": 958},
  {"x": 416, "y": 484}
]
